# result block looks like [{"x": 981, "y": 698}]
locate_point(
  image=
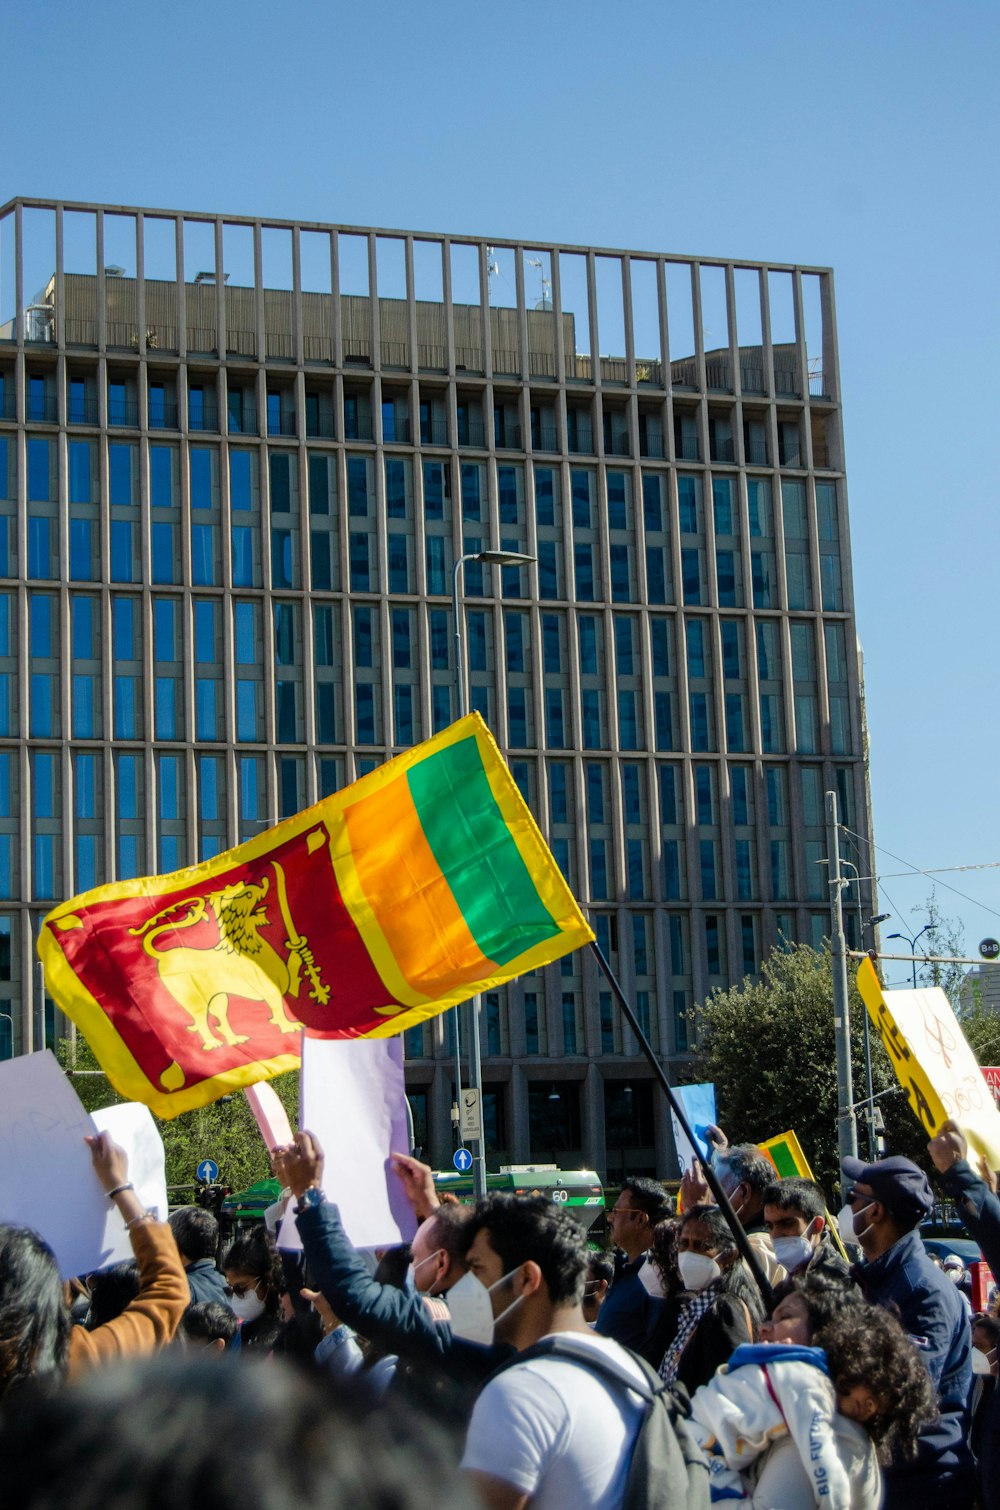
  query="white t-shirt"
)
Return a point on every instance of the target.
[{"x": 557, "y": 1431}]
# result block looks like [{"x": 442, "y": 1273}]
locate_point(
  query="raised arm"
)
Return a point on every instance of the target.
[
  {"x": 151, "y": 1319},
  {"x": 395, "y": 1319},
  {"x": 975, "y": 1202}
]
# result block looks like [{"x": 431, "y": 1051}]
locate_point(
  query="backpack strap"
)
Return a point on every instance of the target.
[{"x": 563, "y": 1346}]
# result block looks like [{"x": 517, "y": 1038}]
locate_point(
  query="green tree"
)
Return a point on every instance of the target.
[
  {"x": 225, "y": 1131},
  {"x": 981, "y": 1026},
  {"x": 944, "y": 938},
  {"x": 769, "y": 1047}
]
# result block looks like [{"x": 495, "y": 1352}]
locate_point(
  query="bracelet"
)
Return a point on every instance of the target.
[
  {"x": 119, "y": 1188},
  {"x": 144, "y": 1216}
]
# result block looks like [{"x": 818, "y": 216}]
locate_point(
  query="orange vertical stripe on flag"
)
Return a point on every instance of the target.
[{"x": 406, "y": 891}]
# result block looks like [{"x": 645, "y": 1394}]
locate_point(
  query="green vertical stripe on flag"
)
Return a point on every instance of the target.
[
  {"x": 475, "y": 850},
  {"x": 784, "y": 1160}
]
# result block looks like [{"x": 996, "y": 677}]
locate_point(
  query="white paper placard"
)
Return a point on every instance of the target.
[
  {"x": 47, "y": 1180},
  {"x": 353, "y": 1098},
  {"x": 131, "y": 1125}
]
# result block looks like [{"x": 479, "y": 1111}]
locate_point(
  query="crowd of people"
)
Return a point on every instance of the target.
[{"x": 498, "y": 1360}]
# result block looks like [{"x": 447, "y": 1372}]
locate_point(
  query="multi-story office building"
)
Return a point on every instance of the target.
[{"x": 238, "y": 460}]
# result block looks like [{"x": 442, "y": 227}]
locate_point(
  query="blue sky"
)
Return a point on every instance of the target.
[{"x": 858, "y": 136}]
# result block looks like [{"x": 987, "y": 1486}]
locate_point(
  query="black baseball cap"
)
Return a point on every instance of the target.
[{"x": 899, "y": 1184}]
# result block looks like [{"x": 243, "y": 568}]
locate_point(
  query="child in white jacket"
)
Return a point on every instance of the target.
[{"x": 862, "y": 1367}]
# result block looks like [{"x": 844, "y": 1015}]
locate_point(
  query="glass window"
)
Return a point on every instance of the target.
[
  {"x": 280, "y": 469},
  {"x": 472, "y": 507},
  {"x": 691, "y": 574},
  {"x": 246, "y": 634},
  {"x": 243, "y": 556},
  {"x": 395, "y": 487},
  {"x": 121, "y": 551},
  {"x": 357, "y": 485},
  {"x": 162, "y": 540},
  {"x": 241, "y": 476},
  {"x": 162, "y": 473},
  {"x": 40, "y": 548},
  {"x": 359, "y": 563},
  {"x": 120, "y": 470},
  {"x": 39, "y": 471},
  {"x": 81, "y": 471}
]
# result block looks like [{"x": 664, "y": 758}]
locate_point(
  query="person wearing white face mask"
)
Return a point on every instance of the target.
[
  {"x": 549, "y": 1431},
  {"x": 253, "y": 1282},
  {"x": 886, "y": 1202},
  {"x": 796, "y": 1221},
  {"x": 440, "y": 1329},
  {"x": 720, "y": 1310}
]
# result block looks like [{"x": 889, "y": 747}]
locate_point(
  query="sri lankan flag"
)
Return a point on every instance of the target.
[{"x": 416, "y": 887}]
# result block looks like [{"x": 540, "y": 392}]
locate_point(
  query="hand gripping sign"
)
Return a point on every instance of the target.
[{"x": 934, "y": 1064}]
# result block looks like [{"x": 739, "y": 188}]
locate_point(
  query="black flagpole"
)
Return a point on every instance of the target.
[{"x": 743, "y": 1243}]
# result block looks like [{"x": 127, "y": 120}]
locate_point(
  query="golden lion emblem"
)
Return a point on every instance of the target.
[{"x": 241, "y": 963}]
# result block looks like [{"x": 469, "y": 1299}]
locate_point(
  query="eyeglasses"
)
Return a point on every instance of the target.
[
  {"x": 240, "y": 1291},
  {"x": 624, "y": 1211}
]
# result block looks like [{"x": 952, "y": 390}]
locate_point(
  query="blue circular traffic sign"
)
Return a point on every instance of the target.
[
  {"x": 462, "y": 1160},
  {"x": 207, "y": 1171}
]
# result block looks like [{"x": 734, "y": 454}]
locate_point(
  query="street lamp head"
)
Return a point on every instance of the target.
[
  {"x": 899, "y": 936},
  {"x": 504, "y": 558},
  {"x": 880, "y": 917}
]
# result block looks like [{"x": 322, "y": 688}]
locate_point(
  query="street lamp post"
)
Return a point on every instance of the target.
[
  {"x": 488, "y": 558},
  {"x": 869, "y": 1102},
  {"x": 913, "y": 947}
]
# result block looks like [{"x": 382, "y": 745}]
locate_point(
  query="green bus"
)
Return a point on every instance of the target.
[{"x": 579, "y": 1190}]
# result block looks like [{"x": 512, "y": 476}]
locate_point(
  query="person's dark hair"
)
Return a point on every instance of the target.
[
  {"x": 255, "y": 1253},
  {"x": 208, "y": 1321},
  {"x": 280, "y": 1440},
  {"x": 34, "y": 1321},
  {"x": 111, "y": 1290},
  {"x": 649, "y": 1196},
  {"x": 747, "y": 1166},
  {"x": 663, "y": 1252},
  {"x": 196, "y": 1232},
  {"x": 825, "y": 1298},
  {"x": 736, "y": 1279},
  {"x": 523, "y": 1227},
  {"x": 990, "y": 1325},
  {"x": 451, "y": 1226},
  {"x": 796, "y": 1194},
  {"x": 865, "y": 1345},
  {"x": 392, "y": 1266},
  {"x": 600, "y": 1266}
]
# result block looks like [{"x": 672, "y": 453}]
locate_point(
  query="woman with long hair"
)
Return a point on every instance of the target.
[
  {"x": 254, "y": 1282},
  {"x": 719, "y": 1307}
]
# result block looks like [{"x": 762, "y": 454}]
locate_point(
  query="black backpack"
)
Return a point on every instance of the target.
[{"x": 667, "y": 1469}]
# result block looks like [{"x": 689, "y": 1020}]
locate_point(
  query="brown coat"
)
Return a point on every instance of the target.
[{"x": 152, "y": 1318}]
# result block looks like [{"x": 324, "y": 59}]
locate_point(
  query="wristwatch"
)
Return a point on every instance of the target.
[{"x": 310, "y": 1198}]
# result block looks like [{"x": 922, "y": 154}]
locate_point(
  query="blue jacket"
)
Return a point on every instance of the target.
[
  {"x": 980, "y": 1211},
  {"x": 629, "y": 1313},
  {"x": 206, "y": 1283},
  {"x": 397, "y": 1321},
  {"x": 905, "y": 1280}
]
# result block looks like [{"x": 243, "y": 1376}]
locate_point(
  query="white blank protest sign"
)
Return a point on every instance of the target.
[
  {"x": 353, "y": 1099},
  {"x": 131, "y": 1125},
  {"x": 47, "y": 1180}
]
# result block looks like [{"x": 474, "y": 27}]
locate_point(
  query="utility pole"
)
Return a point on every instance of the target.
[{"x": 847, "y": 1127}]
